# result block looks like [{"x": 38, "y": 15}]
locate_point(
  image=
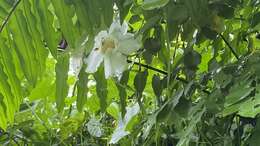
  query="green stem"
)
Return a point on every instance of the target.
[{"x": 230, "y": 47}]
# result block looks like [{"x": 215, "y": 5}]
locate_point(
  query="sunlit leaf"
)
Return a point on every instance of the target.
[{"x": 152, "y": 4}]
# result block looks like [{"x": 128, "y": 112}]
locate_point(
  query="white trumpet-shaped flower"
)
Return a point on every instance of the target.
[{"x": 112, "y": 47}]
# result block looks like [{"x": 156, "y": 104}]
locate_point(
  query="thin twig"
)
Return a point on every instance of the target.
[
  {"x": 230, "y": 47},
  {"x": 9, "y": 15},
  {"x": 148, "y": 67}
]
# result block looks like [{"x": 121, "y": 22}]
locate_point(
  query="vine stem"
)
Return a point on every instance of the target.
[
  {"x": 148, "y": 67},
  {"x": 9, "y": 15},
  {"x": 230, "y": 47}
]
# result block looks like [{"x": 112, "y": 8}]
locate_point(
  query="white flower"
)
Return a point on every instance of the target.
[
  {"x": 112, "y": 46},
  {"x": 75, "y": 65}
]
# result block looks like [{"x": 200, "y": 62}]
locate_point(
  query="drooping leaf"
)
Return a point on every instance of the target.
[
  {"x": 101, "y": 88},
  {"x": 65, "y": 14},
  {"x": 83, "y": 15},
  {"x": 121, "y": 85},
  {"x": 24, "y": 47},
  {"x": 47, "y": 29},
  {"x": 62, "y": 88},
  {"x": 41, "y": 51},
  {"x": 140, "y": 81},
  {"x": 82, "y": 89},
  {"x": 157, "y": 85},
  {"x": 10, "y": 69}
]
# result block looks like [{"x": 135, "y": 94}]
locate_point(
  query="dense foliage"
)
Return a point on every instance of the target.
[{"x": 194, "y": 81}]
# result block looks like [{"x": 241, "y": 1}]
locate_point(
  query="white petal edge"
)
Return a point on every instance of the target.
[
  {"x": 124, "y": 27},
  {"x": 118, "y": 63},
  {"x": 94, "y": 60},
  {"x": 129, "y": 44},
  {"x": 108, "y": 66},
  {"x": 115, "y": 27},
  {"x": 99, "y": 37},
  {"x": 115, "y": 64},
  {"x": 75, "y": 65}
]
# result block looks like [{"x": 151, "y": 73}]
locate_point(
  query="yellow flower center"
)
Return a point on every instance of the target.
[{"x": 108, "y": 44}]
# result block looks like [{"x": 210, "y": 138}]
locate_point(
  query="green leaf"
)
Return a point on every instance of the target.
[
  {"x": 65, "y": 14},
  {"x": 107, "y": 11},
  {"x": 153, "y": 4},
  {"x": 62, "y": 88},
  {"x": 176, "y": 12},
  {"x": 238, "y": 93},
  {"x": 41, "y": 51},
  {"x": 223, "y": 10},
  {"x": 250, "y": 108},
  {"x": 157, "y": 85},
  {"x": 114, "y": 110},
  {"x": 82, "y": 88},
  {"x": 140, "y": 81},
  {"x": 3, "y": 120},
  {"x": 255, "y": 19},
  {"x": 185, "y": 135},
  {"x": 101, "y": 88},
  {"x": 46, "y": 21},
  {"x": 152, "y": 45},
  {"x": 10, "y": 69},
  {"x": 6, "y": 95},
  {"x": 210, "y": 34},
  {"x": 121, "y": 85},
  {"x": 3, "y": 12},
  {"x": 24, "y": 47},
  {"x": 83, "y": 16},
  {"x": 150, "y": 23},
  {"x": 192, "y": 59},
  {"x": 215, "y": 102},
  {"x": 165, "y": 110},
  {"x": 94, "y": 7},
  {"x": 124, "y": 6},
  {"x": 197, "y": 10},
  {"x": 254, "y": 139},
  {"x": 69, "y": 127}
]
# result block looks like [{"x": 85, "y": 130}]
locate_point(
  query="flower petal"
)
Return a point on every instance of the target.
[
  {"x": 117, "y": 29},
  {"x": 115, "y": 64},
  {"x": 94, "y": 60},
  {"x": 75, "y": 65},
  {"x": 108, "y": 66},
  {"x": 99, "y": 37},
  {"x": 128, "y": 44},
  {"x": 124, "y": 27},
  {"x": 119, "y": 63}
]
